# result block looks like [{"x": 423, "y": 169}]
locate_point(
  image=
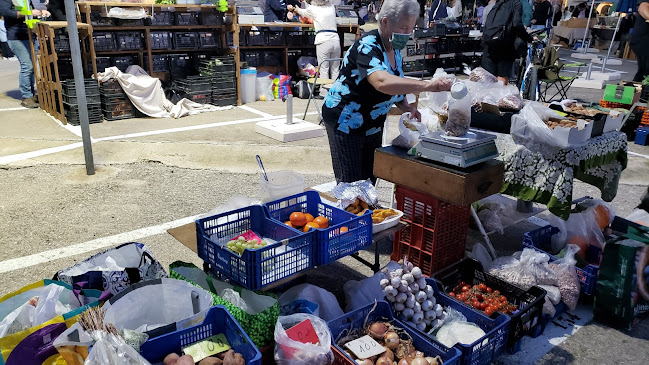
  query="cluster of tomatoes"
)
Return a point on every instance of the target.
[{"x": 482, "y": 297}]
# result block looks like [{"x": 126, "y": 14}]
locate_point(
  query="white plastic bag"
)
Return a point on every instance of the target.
[
  {"x": 459, "y": 116},
  {"x": 491, "y": 216},
  {"x": 528, "y": 125},
  {"x": 264, "y": 86},
  {"x": 513, "y": 270},
  {"x": 568, "y": 280},
  {"x": 639, "y": 216},
  {"x": 112, "y": 350},
  {"x": 35, "y": 311},
  {"x": 409, "y": 131},
  {"x": 457, "y": 329},
  {"x": 552, "y": 292},
  {"x": 548, "y": 307},
  {"x": 536, "y": 264},
  {"x": 328, "y": 307},
  {"x": 358, "y": 294},
  {"x": 290, "y": 352}
]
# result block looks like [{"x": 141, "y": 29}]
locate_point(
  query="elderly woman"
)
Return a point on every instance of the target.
[
  {"x": 371, "y": 81},
  {"x": 327, "y": 42}
]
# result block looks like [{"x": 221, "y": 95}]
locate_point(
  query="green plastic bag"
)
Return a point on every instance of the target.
[{"x": 258, "y": 320}]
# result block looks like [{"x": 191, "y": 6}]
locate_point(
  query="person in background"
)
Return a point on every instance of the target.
[
  {"x": 504, "y": 24},
  {"x": 527, "y": 13},
  {"x": 18, "y": 40},
  {"x": 640, "y": 40},
  {"x": 57, "y": 9},
  {"x": 454, "y": 9},
  {"x": 327, "y": 41},
  {"x": 438, "y": 10},
  {"x": 480, "y": 12},
  {"x": 275, "y": 11},
  {"x": 422, "y": 10},
  {"x": 567, "y": 13},
  {"x": 487, "y": 9},
  {"x": 624, "y": 33},
  {"x": 371, "y": 81},
  {"x": 542, "y": 12},
  {"x": 4, "y": 47}
]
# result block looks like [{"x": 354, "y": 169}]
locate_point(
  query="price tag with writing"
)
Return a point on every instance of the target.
[
  {"x": 365, "y": 347},
  {"x": 208, "y": 347}
]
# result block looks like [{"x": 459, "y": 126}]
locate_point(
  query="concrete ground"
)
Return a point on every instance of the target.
[{"x": 156, "y": 174}]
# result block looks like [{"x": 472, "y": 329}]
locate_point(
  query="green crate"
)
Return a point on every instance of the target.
[{"x": 619, "y": 94}]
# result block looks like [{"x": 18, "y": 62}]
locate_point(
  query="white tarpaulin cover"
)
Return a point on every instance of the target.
[{"x": 148, "y": 97}]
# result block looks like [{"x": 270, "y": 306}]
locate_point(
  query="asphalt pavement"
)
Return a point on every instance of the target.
[{"x": 155, "y": 174}]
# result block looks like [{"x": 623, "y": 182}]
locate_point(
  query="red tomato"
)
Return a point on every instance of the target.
[
  {"x": 465, "y": 288},
  {"x": 475, "y": 304},
  {"x": 496, "y": 292},
  {"x": 479, "y": 297},
  {"x": 489, "y": 290},
  {"x": 482, "y": 287},
  {"x": 483, "y": 305},
  {"x": 451, "y": 294},
  {"x": 488, "y": 311}
]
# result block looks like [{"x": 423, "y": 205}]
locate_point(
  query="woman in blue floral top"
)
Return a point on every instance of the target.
[{"x": 370, "y": 82}]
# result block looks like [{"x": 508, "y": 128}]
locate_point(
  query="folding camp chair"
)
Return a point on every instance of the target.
[
  {"x": 549, "y": 75},
  {"x": 322, "y": 82}
]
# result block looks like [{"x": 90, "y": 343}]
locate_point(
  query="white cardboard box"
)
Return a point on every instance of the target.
[{"x": 613, "y": 121}]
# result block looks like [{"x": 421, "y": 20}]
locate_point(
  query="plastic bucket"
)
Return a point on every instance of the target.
[
  {"x": 248, "y": 91},
  {"x": 280, "y": 184}
]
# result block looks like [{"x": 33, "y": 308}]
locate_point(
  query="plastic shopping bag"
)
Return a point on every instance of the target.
[
  {"x": 281, "y": 86},
  {"x": 291, "y": 352},
  {"x": 569, "y": 285},
  {"x": 115, "y": 269},
  {"x": 34, "y": 344},
  {"x": 327, "y": 305},
  {"x": 409, "y": 131},
  {"x": 109, "y": 349},
  {"x": 264, "y": 86},
  {"x": 528, "y": 126}
]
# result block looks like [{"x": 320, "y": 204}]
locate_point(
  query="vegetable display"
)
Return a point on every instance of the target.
[
  {"x": 482, "y": 297},
  {"x": 241, "y": 244},
  {"x": 412, "y": 299},
  {"x": 306, "y": 221},
  {"x": 225, "y": 358}
]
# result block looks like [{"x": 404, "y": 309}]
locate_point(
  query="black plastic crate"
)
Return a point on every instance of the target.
[
  {"x": 224, "y": 99},
  {"x": 111, "y": 87},
  {"x": 102, "y": 63},
  {"x": 253, "y": 58},
  {"x": 411, "y": 50},
  {"x": 255, "y": 37},
  {"x": 442, "y": 45},
  {"x": 195, "y": 84},
  {"x": 218, "y": 65},
  {"x": 117, "y": 103},
  {"x": 118, "y": 114},
  {"x": 431, "y": 47},
  {"x": 211, "y": 17},
  {"x": 409, "y": 66},
  {"x": 452, "y": 45},
  {"x": 161, "y": 39},
  {"x": 159, "y": 63},
  {"x": 90, "y": 98},
  {"x": 104, "y": 41},
  {"x": 216, "y": 91},
  {"x": 439, "y": 29},
  {"x": 275, "y": 38},
  {"x": 179, "y": 65},
  {"x": 69, "y": 87},
  {"x": 272, "y": 58},
  {"x": 71, "y": 112},
  {"x": 161, "y": 18},
  {"x": 122, "y": 62},
  {"x": 209, "y": 39},
  {"x": 185, "y": 40},
  {"x": 309, "y": 37},
  {"x": 203, "y": 97},
  {"x": 295, "y": 38},
  {"x": 97, "y": 20},
  {"x": 129, "y": 22},
  {"x": 186, "y": 18},
  {"x": 229, "y": 39},
  {"x": 61, "y": 43},
  {"x": 129, "y": 41},
  {"x": 221, "y": 83},
  {"x": 529, "y": 302}
]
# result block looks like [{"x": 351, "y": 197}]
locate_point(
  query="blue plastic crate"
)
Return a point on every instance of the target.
[
  {"x": 217, "y": 320},
  {"x": 356, "y": 319},
  {"x": 330, "y": 243},
  {"x": 540, "y": 240},
  {"x": 255, "y": 269}
]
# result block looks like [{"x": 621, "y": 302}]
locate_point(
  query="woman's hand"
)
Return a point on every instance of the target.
[
  {"x": 440, "y": 84},
  {"x": 290, "y": 7},
  {"x": 408, "y": 108}
]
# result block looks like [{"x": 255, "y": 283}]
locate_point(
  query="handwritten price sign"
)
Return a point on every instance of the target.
[
  {"x": 208, "y": 347},
  {"x": 365, "y": 347}
]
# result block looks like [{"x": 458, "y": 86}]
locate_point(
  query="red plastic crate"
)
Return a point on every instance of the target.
[
  {"x": 613, "y": 105},
  {"x": 436, "y": 234},
  {"x": 339, "y": 357}
]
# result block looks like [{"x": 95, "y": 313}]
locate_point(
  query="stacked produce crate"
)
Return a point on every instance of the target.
[
  {"x": 197, "y": 88},
  {"x": 70, "y": 101},
  {"x": 222, "y": 71},
  {"x": 114, "y": 102}
]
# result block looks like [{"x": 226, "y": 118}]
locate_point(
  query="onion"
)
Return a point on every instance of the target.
[
  {"x": 419, "y": 354},
  {"x": 384, "y": 283},
  {"x": 421, "y": 296},
  {"x": 403, "y": 362},
  {"x": 408, "y": 278},
  {"x": 377, "y": 330},
  {"x": 398, "y": 272},
  {"x": 395, "y": 282},
  {"x": 401, "y": 297},
  {"x": 430, "y": 315},
  {"x": 388, "y": 354},
  {"x": 421, "y": 326},
  {"x": 403, "y": 288},
  {"x": 417, "y": 307},
  {"x": 436, "y": 323},
  {"x": 443, "y": 316},
  {"x": 419, "y": 361},
  {"x": 416, "y": 272},
  {"x": 383, "y": 361},
  {"x": 422, "y": 282},
  {"x": 410, "y": 301},
  {"x": 408, "y": 312},
  {"x": 405, "y": 283},
  {"x": 426, "y": 305},
  {"x": 427, "y": 321},
  {"x": 399, "y": 307},
  {"x": 432, "y": 360},
  {"x": 409, "y": 266},
  {"x": 433, "y": 300},
  {"x": 391, "y": 340},
  {"x": 438, "y": 310},
  {"x": 418, "y": 317},
  {"x": 391, "y": 298},
  {"x": 364, "y": 362},
  {"x": 414, "y": 288}
]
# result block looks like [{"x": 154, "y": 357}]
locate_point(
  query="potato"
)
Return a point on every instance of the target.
[
  {"x": 185, "y": 360},
  {"x": 171, "y": 359},
  {"x": 232, "y": 358},
  {"x": 211, "y": 361}
]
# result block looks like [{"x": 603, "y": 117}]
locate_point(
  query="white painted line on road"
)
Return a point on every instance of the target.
[
  {"x": 43, "y": 152},
  {"x": 10, "y": 109},
  {"x": 80, "y": 248},
  {"x": 637, "y": 154},
  {"x": 258, "y": 112},
  {"x": 74, "y": 129}
]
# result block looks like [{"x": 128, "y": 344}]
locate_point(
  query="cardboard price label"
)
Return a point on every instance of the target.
[
  {"x": 365, "y": 347},
  {"x": 208, "y": 347}
]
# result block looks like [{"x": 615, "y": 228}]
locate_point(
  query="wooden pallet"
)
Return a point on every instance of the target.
[{"x": 46, "y": 71}]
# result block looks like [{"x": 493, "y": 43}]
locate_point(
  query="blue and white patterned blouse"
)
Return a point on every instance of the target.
[{"x": 352, "y": 102}]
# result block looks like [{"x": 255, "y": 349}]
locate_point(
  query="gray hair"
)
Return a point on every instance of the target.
[
  {"x": 395, "y": 9},
  {"x": 321, "y": 2}
]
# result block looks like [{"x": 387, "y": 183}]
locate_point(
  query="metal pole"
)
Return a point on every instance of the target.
[
  {"x": 583, "y": 41},
  {"x": 75, "y": 50},
  {"x": 289, "y": 109},
  {"x": 590, "y": 69},
  {"x": 610, "y": 46}
]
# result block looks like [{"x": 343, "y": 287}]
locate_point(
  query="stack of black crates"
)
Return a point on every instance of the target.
[
  {"x": 71, "y": 103},
  {"x": 222, "y": 73},
  {"x": 114, "y": 102}
]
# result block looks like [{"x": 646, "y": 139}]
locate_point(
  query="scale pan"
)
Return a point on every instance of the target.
[{"x": 465, "y": 137}]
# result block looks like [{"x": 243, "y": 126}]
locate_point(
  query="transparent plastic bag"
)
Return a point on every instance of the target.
[
  {"x": 112, "y": 350},
  {"x": 569, "y": 286},
  {"x": 552, "y": 292},
  {"x": 410, "y": 129},
  {"x": 290, "y": 352},
  {"x": 548, "y": 307},
  {"x": 536, "y": 264},
  {"x": 456, "y": 329},
  {"x": 602, "y": 211},
  {"x": 459, "y": 116},
  {"x": 583, "y": 231},
  {"x": 639, "y": 216},
  {"x": 513, "y": 271},
  {"x": 491, "y": 216},
  {"x": 479, "y": 74},
  {"x": 528, "y": 126}
]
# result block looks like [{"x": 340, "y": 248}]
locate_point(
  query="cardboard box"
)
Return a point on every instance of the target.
[
  {"x": 572, "y": 136},
  {"x": 614, "y": 121},
  {"x": 577, "y": 23}
]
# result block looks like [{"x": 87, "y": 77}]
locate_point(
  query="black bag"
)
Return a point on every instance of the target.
[{"x": 498, "y": 32}]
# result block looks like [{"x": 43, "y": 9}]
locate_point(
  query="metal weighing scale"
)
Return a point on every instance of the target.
[{"x": 470, "y": 149}]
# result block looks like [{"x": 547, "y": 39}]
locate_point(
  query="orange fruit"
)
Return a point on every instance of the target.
[
  {"x": 309, "y": 217},
  {"x": 322, "y": 221},
  {"x": 288, "y": 223},
  {"x": 343, "y": 229},
  {"x": 602, "y": 216},
  {"x": 582, "y": 243},
  {"x": 310, "y": 225},
  {"x": 298, "y": 219}
]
